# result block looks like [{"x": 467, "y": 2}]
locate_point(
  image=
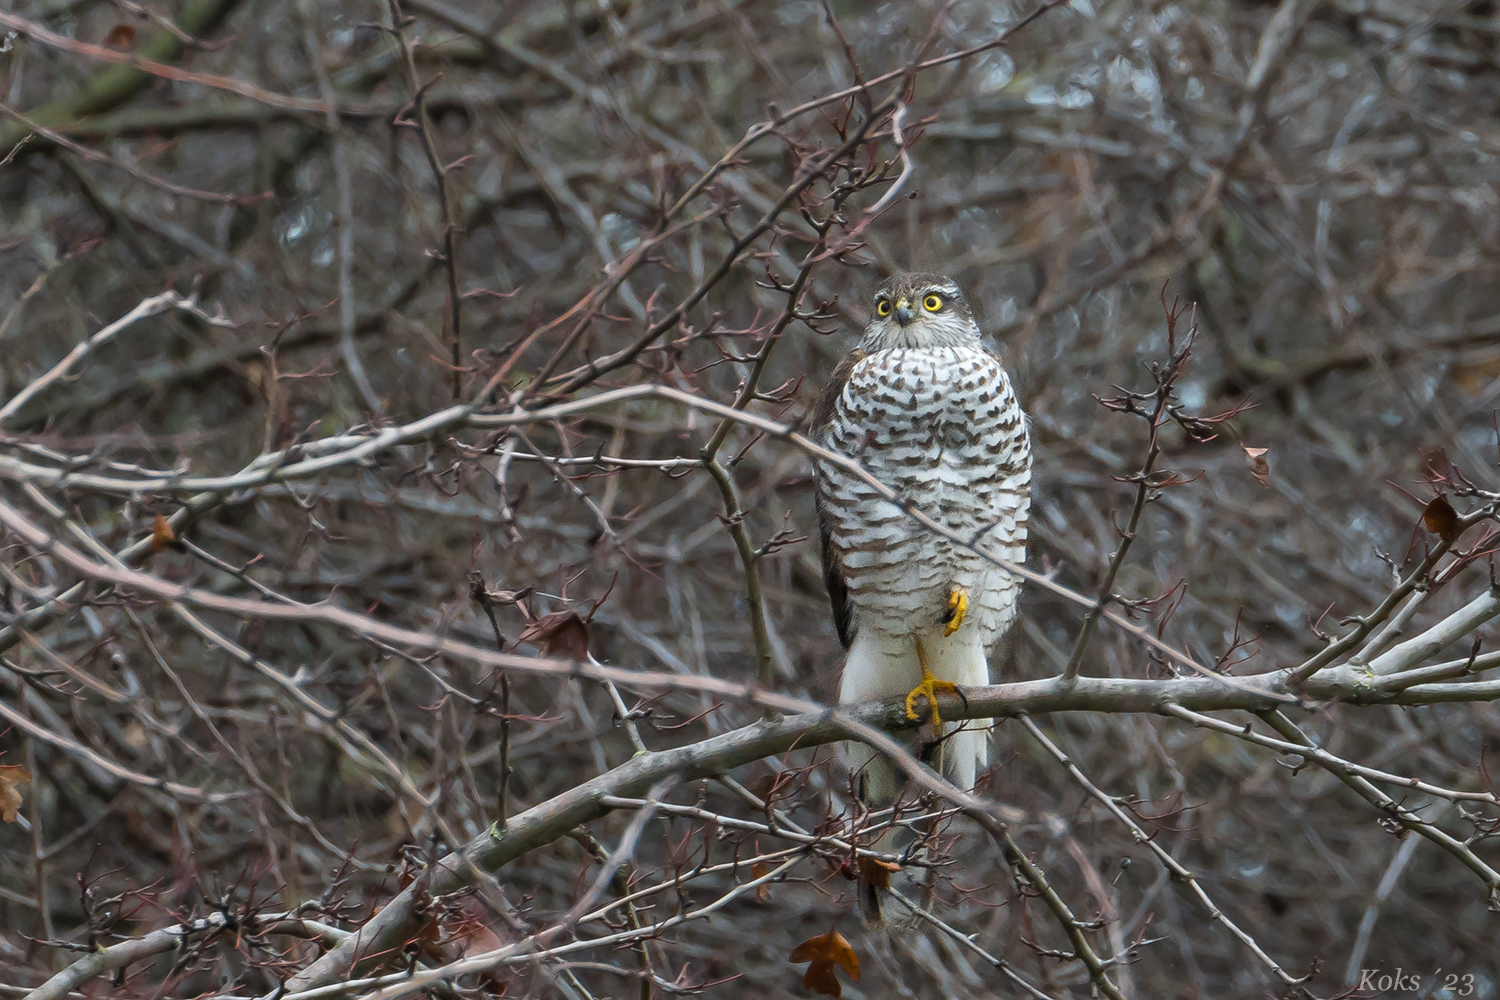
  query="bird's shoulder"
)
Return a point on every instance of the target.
[{"x": 828, "y": 401}]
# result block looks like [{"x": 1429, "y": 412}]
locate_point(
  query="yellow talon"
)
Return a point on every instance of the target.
[
  {"x": 958, "y": 607},
  {"x": 930, "y": 685}
]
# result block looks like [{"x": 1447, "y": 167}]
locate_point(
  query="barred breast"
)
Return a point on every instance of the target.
[{"x": 943, "y": 428}]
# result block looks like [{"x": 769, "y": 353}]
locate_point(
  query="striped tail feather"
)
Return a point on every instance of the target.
[{"x": 879, "y": 668}]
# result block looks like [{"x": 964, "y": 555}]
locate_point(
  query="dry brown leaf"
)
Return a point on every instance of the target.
[
  {"x": 876, "y": 872},
  {"x": 766, "y": 786},
  {"x": 1259, "y": 467},
  {"x": 760, "y": 870},
  {"x": 121, "y": 38},
  {"x": 561, "y": 633},
  {"x": 1441, "y": 519},
  {"x": 762, "y": 786},
  {"x": 12, "y": 776},
  {"x": 162, "y": 535},
  {"x": 1477, "y": 377},
  {"x": 825, "y": 952}
]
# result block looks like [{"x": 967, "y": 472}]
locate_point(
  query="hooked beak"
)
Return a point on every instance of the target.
[{"x": 904, "y": 313}]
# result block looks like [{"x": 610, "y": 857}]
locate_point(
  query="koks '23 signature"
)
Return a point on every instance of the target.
[{"x": 1401, "y": 981}]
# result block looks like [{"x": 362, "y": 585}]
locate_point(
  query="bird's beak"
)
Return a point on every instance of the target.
[{"x": 904, "y": 314}]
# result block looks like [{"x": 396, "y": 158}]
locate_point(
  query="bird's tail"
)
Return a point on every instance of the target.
[
  {"x": 876, "y": 668},
  {"x": 964, "y": 749},
  {"x": 880, "y": 668}
]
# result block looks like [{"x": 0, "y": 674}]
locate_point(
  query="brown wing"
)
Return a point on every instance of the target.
[
  {"x": 833, "y": 566},
  {"x": 831, "y": 392},
  {"x": 838, "y": 590}
]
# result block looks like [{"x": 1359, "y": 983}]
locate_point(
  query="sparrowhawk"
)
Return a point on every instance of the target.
[{"x": 930, "y": 412}]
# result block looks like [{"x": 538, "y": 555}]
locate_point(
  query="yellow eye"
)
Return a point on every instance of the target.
[
  {"x": 932, "y": 303},
  {"x": 883, "y": 307}
]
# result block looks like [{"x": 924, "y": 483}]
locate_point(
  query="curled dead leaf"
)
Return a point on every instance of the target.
[
  {"x": 766, "y": 787},
  {"x": 1259, "y": 467},
  {"x": 1441, "y": 519},
  {"x": 760, "y": 870},
  {"x": 162, "y": 535},
  {"x": 827, "y": 952},
  {"x": 121, "y": 38},
  {"x": 562, "y": 633},
  {"x": 12, "y": 776},
  {"x": 876, "y": 872}
]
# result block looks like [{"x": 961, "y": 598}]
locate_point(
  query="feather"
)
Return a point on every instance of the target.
[
  {"x": 880, "y": 668},
  {"x": 838, "y": 587},
  {"x": 833, "y": 564}
]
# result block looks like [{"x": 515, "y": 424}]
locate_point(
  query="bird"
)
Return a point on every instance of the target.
[{"x": 930, "y": 412}]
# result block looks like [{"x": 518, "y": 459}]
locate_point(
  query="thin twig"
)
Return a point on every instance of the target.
[
  {"x": 153, "y": 306},
  {"x": 418, "y": 117},
  {"x": 1179, "y": 872}
]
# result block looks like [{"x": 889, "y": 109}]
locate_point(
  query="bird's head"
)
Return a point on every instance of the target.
[{"x": 919, "y": 310}]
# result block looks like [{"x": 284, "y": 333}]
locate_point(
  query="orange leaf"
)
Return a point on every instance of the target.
[
  {"x": 561, "y": 633},
  {"x": 1441, "y": 519},
  {"x": 876, "y": 872},
  {"x": 760, "y": 870},
  {"x": 820, "y": 978},
  {"x": 1259, "y": 467},
  {"x": 162, "y": 534},
  {"x": 11, "y": 777},
  {"x": 121, "y": 38},
  {"x": 825, "y": 952}
]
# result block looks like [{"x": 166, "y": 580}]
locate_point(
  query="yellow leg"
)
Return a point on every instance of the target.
[
  {"x": 958, "y": 609},
  {"x": 929, "y": 687}
]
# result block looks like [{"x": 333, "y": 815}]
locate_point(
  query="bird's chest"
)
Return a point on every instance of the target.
[{"x": 917, "y": 423}]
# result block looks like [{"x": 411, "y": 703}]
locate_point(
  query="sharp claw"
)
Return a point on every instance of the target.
[
  {"x": 958, "y": 609},
  {"x": 929, "y": 688}
]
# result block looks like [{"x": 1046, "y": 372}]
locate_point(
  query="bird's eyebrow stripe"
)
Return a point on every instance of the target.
[{"x": 947, "y": 291}]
